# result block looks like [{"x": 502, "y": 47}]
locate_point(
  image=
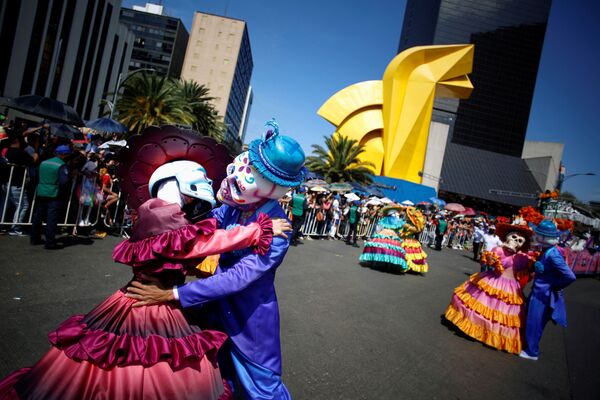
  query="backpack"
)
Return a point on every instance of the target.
[{"x": 320, "y": 216}]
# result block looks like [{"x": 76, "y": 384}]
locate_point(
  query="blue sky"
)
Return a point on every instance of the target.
[{"x": 305, "y": 51}]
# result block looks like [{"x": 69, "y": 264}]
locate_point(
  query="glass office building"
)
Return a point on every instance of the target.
[
  {"x": 508, "y": 38},
  {"x": 160, "y": 41}
]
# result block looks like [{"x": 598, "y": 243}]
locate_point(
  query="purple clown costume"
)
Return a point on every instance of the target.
[
  {"x": 243, "y": 284},
  {"x": 546, "y": 301}
]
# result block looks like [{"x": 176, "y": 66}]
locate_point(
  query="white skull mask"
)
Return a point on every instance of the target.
[
  {"x": 514, "y": 241},
  {"x": 244, "y": 186}
]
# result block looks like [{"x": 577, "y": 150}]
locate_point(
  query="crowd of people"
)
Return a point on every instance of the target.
[
  {"x": 163, "y": 352},
  {"x": 41, "y": 172}
]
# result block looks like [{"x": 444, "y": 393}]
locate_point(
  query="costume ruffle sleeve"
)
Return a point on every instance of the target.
[
  {"x": 257, "y": 235},
  {"x": 192, "y": 241}
]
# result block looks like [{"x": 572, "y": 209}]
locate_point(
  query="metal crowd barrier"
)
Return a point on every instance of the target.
[{"x": 73, "y": 211}]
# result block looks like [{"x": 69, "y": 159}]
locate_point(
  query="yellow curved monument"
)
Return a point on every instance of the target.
[{"x": 391, "y": 117}]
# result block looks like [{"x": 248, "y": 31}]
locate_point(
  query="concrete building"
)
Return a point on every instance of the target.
[
  {"x": 219, "y": 56},
  {"x": 160, "y": 40},
  {"x": 543, "y": 160},
  {"x": 69, "y": 50}
]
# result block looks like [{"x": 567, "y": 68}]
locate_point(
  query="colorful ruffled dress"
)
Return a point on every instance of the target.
[
  {"x": 489, "y": 306},
  {"x": 384, "y": 250},
  {"x": 416, "y": 258},
  {"x": 150, "y": 352}
]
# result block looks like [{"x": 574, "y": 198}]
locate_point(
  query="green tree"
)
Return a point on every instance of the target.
[
  {"x": 206, "y": 119},
  {"x": 150, "y": 99},
  {"x": 338, "y": 161}
]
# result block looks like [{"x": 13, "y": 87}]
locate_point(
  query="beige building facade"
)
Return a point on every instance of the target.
[{"x": 218, "y": 56}]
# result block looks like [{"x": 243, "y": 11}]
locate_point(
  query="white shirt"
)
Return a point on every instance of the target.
[
  {"x": 491, "y": 241},
  {"x": 335, "y": 207}
]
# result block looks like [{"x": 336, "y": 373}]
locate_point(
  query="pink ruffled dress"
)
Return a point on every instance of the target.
[
  {"x": 489, "y": 306},
  {"x": 152, "y": 352}
]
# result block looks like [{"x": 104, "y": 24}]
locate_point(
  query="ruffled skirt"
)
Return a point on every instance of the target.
[
  {"x": 416, "y": 258},
  {"x": 384, "y": 252},
  {"x": 489, "y": 308},
  {"x": 120, "y": 352}
]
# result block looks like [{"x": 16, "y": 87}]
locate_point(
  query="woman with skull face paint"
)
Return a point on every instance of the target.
[{"x": 489, "y": 306}]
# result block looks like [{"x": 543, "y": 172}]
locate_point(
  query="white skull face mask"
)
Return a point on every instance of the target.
[
  {"x": 514, "y": 241},
  {"x": 244, "y": 186}
]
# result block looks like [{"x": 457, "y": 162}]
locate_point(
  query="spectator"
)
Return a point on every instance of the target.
[
  {"x": 87, "y": 190},
  {"x": 491, "y": 240},
  {"x": 52, "y": 192},
  {"x": 326, "y": 207},
  {"x": 440, "y": 231},
  {"x": 335, "y": 216},
  {"x": 299, "y": 207},
  {"x": 352, "y": 213},
  {"x": 16, "y": 195},
  {"x": 477, "y": 240},
  {"x": 110, "y": 197}
]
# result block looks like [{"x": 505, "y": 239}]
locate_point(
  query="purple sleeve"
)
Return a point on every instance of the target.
[
  {"x": 246, "y": 271},
  {"x": 217, "y": 213}
]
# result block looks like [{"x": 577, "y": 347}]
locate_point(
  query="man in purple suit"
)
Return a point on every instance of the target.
[
  {"x": 243, "y": 284},
  {"x": 546, "y": 301}
]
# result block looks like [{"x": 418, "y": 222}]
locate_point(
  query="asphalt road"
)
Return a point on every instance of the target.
[{"x": 347, "y": 332}]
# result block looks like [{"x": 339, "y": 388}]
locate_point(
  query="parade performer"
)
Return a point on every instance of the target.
[
  {"x": 416, "y": 258},
  {"x": 117, "y": 351},
  {"x": 243, "y": 284},
  {"x": 384, "y": 249},
  {"x": 546, "y": 301},
  {"x": 489, "y": 305}
]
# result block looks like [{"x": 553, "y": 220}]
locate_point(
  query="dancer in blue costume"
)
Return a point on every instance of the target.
[
  {"x": 384, "y": 250},
  {"x": 243, "y": 284},
  {"x": 546, "y": 302}
]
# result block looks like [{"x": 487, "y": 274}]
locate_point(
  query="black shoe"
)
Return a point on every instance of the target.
[
  {"x": 36, "y": 242},
  {"x": 53, "y": 247}
]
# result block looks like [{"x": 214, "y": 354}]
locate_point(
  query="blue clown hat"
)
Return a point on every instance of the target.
[
  {"x": 547, "y": 228},
  {"x": 278, "y": 158}
]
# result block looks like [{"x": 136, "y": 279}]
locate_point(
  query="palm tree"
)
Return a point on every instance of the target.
[
  {"x": 339, "y": 162},
  {"x": 207, "y": 120},
  {"x": 150, "y": 99}
]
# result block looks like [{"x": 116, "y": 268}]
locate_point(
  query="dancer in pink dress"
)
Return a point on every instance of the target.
[
  {"x": 117, "y": 351},
  {"x": 489, "y": 306}
]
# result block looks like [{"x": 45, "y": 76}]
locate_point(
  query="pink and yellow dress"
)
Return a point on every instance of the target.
[
  {"x": 489, "y": 306},
  {"x": 151, "y": 352}
]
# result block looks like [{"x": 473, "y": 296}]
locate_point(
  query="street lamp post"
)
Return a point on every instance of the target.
[
  {"x": 111, "y": 104},
  {"x": 563, "y": 179}
]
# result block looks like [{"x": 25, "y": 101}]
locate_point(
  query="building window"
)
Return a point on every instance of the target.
[
  {"x": 217, "y": 46},
  {"x": 199, "y": 43},
  {"x": 225, "y": 61},
  {"x": 196, "y": 55},
  {"x": 228, "y": 49},
  {"x": 193, "y": 68}
]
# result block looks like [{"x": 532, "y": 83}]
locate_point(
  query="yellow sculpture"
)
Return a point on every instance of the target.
[{"x": 392, "y": 117}]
